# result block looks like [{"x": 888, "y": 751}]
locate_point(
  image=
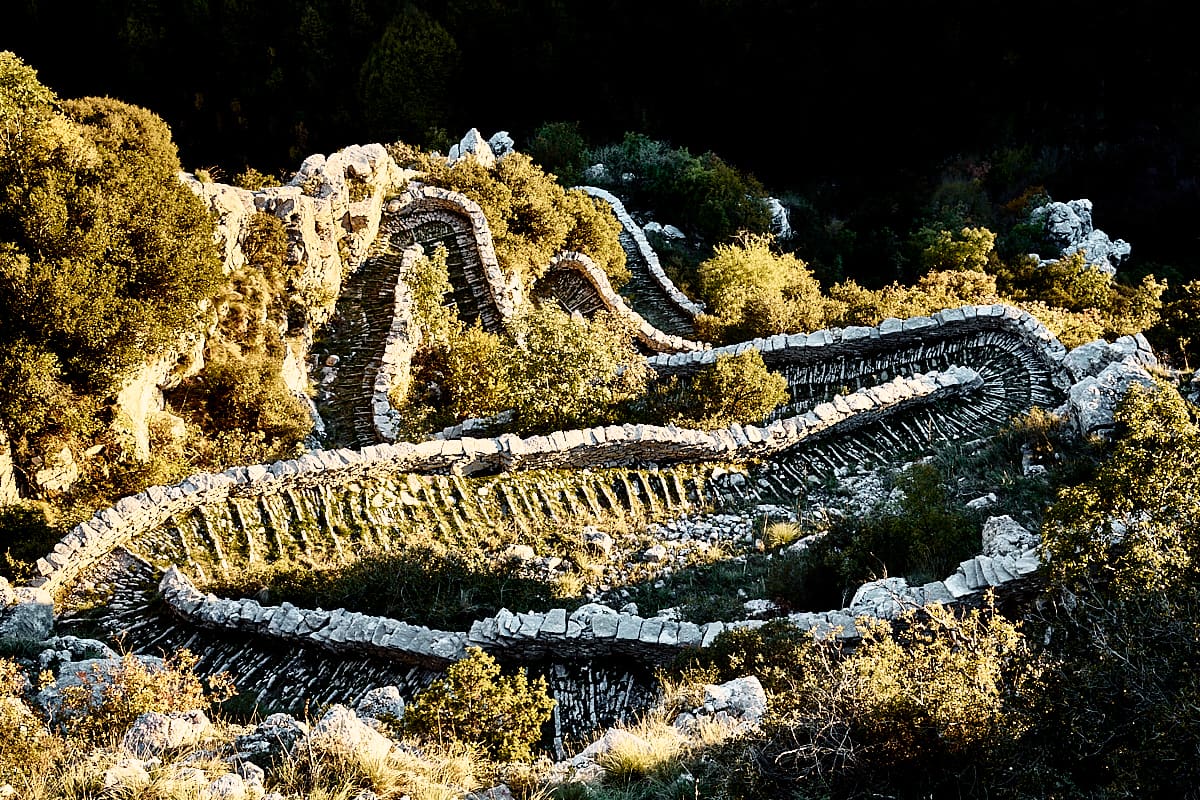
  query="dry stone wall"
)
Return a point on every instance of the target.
[
  {"x": 603, "y": 446},
  {"x": 578, "y": 284},
  {"x": 607, "y": 446},
  {"x": 668, "y": 308},
  {"x": 1010, "y": 556},
  {"x": 497, "y": 296}
]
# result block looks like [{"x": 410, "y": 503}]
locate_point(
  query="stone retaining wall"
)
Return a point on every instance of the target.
[
  {"x": 596, "y": 282},
  {"x": 890, "y": 334},
  {"x": 681, "y": 300},
  {"x": 613, "y": 445},
  {"x": 401, "y": 343},
  {"x": 504, "y": 292},
  {"x": 592, "y": 631}
]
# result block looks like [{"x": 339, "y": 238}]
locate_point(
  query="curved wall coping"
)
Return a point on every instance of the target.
[
  {"x": 505, "y": 291},
  {"x": 609, "y": 446},
  {"x": 681, "y": 300},
  {"x": 594, "y": 630},
  {"x": 783, "y": 348},
  {"x": 647, "y": 334}
]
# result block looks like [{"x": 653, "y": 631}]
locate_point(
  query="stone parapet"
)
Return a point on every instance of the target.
[
  {"x": 681, "y": 300},
  {"x": 595, "y": 283},
  {"x": 607, "y": 446},
  {"x": 1009, "y": 561}
]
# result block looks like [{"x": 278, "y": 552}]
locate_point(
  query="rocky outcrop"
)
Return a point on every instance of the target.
[
  {"x": 153, "y": 733},
  {"x": 1069, "y": 228},
  {"x": 473, "y": 145},
  {"x": 1092, "y": 402},
  {"x": 8, "y": 478},
  {"x": 1089, "y": 360}
]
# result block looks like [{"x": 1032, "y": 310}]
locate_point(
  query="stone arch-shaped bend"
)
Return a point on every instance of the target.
[
  {"x": 658, "y": 299},
  {"x": 429, "y": 216},
  {"x": 577, "y": 284}
]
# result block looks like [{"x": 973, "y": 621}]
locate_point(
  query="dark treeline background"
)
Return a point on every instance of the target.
[{"x": 855, "y": 102}]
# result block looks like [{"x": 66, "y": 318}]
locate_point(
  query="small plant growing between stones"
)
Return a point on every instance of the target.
[
  {"x": 474, "y": 703},
  {"x": 104, "y": 702}
]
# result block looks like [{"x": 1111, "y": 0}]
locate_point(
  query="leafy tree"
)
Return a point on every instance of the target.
[
  {"x": 851, "y": 304},
  {"x": 751, "y": 291},
  {"x": 701, "y": 194},
  {"x": 405, "y": 79},
  {"x": 475, "y": 703},
  {"x": 970, "y": 249},
  {"x": 104, "y": 253},
  {"x": 738, "y": 388},
  {"x": 1132, "y": 529},
  {"x": 560, "y": 148}
]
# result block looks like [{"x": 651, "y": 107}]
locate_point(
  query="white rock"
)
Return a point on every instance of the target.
[
  {"x": 340, "y": 730},
  {"x": 153, "y": 733}
]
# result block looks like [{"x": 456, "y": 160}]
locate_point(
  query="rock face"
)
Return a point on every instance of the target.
[
  {"x": 275, "y": 737},
  {"x": 58, "y": 472},
  {"x": 8, "y": 479},
  {"x": 1069, "y": 227},
  {"x": 26, "y": 622},
  {"x": 341, "y": 731},
  {"x": 1092, "y": 402},
  {"x": 473, "y": 144},
  {"x": 781, "y": 226}
]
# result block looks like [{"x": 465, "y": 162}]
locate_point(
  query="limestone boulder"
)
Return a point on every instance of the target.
[
  {"x": 501, "y": 144},
  {"x": 341, "y": 731},
  {"x": 743, "y": 699},
  {"x": 1069, "y": 229},
  {"x": 1092, "y": 402},
  {"x": 26, "y": 623},
  {"x": 153, "y": 734},
  {"x": 383, "y": 702},
  {"x": 1004, "y": 536},
  {"x": 98, "y": 673},
  {"x": 475, "y": 146},
  {"x": 274, "y": 738},
  {"x": 781, "y": 226}
]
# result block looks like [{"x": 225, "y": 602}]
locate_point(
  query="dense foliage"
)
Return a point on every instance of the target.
[
  {"x": 104, "y": 254},
  {"x": 475, "y": 703}
]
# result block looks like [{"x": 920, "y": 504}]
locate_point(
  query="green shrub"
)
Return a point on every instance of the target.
[
  {"x": 102, "y": 704},
  {"x": 752, "y": 292},
  {"x": 474, "y": 703},
  {"x": 560, "y": 148},
  {"x": 252, "y": 179},
  {"x": 971, "y": 249},
  {"x": 28, "y": 750},
  {"x": 554, "y": 371},
  {"x": 737, "y": 388}
]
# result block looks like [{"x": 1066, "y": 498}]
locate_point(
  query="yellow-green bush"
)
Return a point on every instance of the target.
[
  {"x": 475, "y": 703},
  {"x": 531, "y": 217},
  {"x": 752, "y": 291},
  {"x": 106, "y": 703}
]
